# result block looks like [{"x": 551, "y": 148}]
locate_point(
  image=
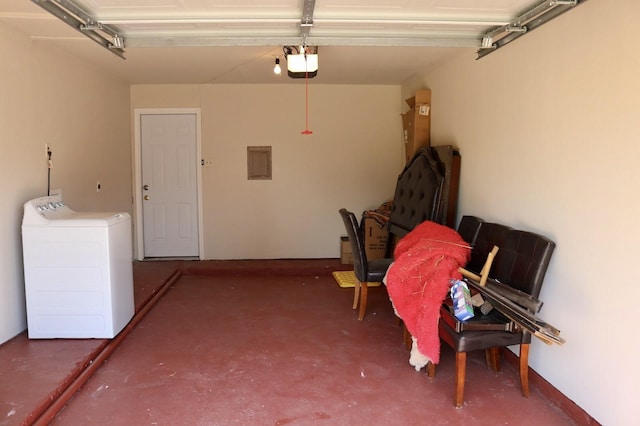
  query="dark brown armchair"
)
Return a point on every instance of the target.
[
  {"x": 520, "y": 263},
  {"x": 365, "y": 270}
]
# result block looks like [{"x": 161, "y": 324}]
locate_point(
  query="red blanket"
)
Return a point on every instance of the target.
[{"x": 418, "y": 280}]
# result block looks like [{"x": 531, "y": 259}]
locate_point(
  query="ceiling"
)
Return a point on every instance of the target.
[{"x": 237, "y": 41}]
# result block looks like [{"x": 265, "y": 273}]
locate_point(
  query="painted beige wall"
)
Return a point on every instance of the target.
[
  {"x": 54, "y": 99},
  {"x": 351, "y": 160},
  {"x": 546, "y": 128},
  {"x": 548, "y": 132}
]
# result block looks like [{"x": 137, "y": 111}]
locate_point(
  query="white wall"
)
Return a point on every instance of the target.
[
  {"x": 351, "y": 160},
  {"x": 54, "y": 99},
  {"x": 546, "y": 127},
  {"x": 548, "y": 132}
]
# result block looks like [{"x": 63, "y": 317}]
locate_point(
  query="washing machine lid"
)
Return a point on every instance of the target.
[
  {"x": 82, "y": 219},
  {"x": 51, "y": 211}
]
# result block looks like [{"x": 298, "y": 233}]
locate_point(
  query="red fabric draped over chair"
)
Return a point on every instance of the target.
[{"x": 426, "y": 259}]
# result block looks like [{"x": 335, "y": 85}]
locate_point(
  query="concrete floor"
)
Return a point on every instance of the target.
[{"x": 253, "y": 343}]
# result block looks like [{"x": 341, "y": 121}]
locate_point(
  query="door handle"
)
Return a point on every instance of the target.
[
  {"x": 146, "y": 197},
  {"x": 145, "y": 187}
]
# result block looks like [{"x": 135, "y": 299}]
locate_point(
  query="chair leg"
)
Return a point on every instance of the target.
[
  {"x": 524, "y": 369},
  {"x": 356, "y": 293},
  {"x": 363, "y": 300},
  {"x": 461, "y": 367},
  {"x": 406, "y": 337},
  {"x": 431, "y": 370},
  {"x": 493, "y": 358}
]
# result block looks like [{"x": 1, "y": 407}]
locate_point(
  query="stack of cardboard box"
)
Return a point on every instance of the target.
[
  {"x": 346, "y": 255},
  {"x": 375, "y": 238},
  {"x": 375, "y": 242},
  {"x": 416, "y": 123}
]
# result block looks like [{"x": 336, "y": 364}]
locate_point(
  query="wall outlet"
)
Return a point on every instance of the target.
[
  {"x": 46, "y": 150},
  {"x": 207, "y": 163}
]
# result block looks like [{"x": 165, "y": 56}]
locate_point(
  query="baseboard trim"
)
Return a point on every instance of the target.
[{"x": 574, "y": 411}]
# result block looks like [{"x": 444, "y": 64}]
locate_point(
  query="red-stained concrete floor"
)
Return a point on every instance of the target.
[{"x": 253, "y": 343}]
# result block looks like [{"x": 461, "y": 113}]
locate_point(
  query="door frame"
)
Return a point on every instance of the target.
[{"x": 137, "y": 179}]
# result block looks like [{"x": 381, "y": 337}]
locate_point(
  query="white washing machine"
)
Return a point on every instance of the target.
[{"x": 78, "y": 271}]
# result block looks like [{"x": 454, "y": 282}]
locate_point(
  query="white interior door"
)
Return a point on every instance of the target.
[{"x": 169, "y": 185}]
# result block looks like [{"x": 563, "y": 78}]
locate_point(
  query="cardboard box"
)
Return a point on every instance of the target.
[
  {"x": 421, "y": 97},
  {"x": 346, "y": 255},
  {"x": 416, "y": 123},
  {"x": 375, "y": 238}
]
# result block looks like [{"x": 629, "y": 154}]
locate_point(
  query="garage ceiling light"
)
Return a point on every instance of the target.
[{"x": 302, "y": 62}]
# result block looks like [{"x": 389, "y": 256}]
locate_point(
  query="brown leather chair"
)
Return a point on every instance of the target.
[
  {"x": 521, "y": 263},
  {"x": 365, "y": 270},
  {"x": 469, "y": 227}
]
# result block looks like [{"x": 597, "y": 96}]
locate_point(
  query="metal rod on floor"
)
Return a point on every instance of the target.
[{"x": 58, "y": 403}]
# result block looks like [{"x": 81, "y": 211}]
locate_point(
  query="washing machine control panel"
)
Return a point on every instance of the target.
[
  {"x": 51, "y": 205},
  {"x": 44, "y": 208}
]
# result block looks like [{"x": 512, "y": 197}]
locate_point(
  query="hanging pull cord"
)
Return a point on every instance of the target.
[
  {"x": 49, "y": 167},
  {"x": 306, "y": 130}
]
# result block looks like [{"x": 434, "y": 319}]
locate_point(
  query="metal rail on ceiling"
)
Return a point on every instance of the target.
[
  {"x": 77, "y": 18},
  {"x": 531, "y": 19},
  {"x": 108, "y": 35}
]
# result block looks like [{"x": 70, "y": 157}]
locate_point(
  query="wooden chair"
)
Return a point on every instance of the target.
[
  {"x": 468, "y": 229},
  {"x": 365, "y": 270},
  {"x": 521, "y": 263}
]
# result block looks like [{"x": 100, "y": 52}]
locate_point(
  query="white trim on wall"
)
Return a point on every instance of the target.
[{"x": 137, "y": 176}]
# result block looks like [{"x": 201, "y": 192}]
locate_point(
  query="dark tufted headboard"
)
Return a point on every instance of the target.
[{"x": 418, "y": 192}]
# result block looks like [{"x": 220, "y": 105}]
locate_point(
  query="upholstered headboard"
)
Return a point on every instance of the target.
[
  {"x": 451, "y": 162},
  {"x": 418, "y": 192}
]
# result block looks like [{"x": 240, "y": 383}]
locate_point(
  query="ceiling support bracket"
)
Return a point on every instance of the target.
[
  {"x": 72, "y": 15},
  {"x": 306, "y": 21},
  {"x": 533, "y": 18}
]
